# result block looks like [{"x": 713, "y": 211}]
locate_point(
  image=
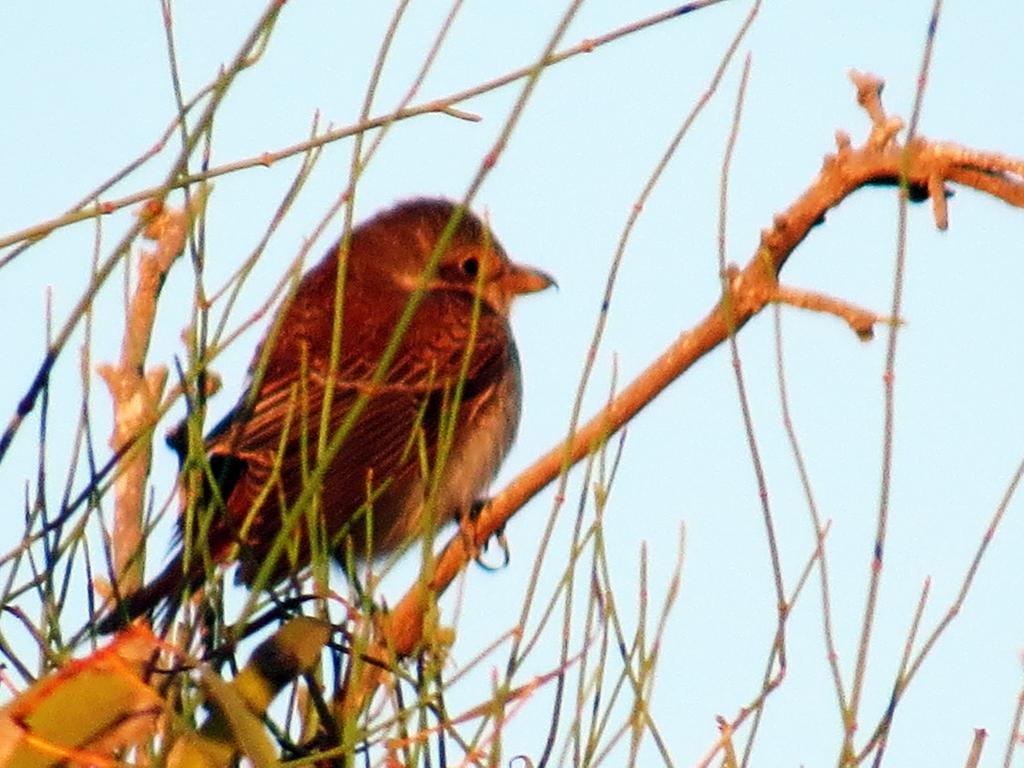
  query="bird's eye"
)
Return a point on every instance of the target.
[{"x": 471, "y": 266}]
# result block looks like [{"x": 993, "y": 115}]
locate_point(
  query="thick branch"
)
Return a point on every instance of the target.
[
  {"x": 922, "y": 168},
  {"x": 136, "y": 392}
]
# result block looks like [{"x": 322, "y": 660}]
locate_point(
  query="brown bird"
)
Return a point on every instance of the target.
[{"x": 432, "y": 431}]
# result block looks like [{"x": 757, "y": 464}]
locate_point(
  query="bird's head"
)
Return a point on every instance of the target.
[{"x": 408, "y": 234}]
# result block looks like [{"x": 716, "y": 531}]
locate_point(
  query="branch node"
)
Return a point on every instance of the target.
[
  {"x": 843, "y": 142},
  {"x": 461, "y": 114},
  {"x": 861, "y": 321},
  {"x": 869, "y": 94},
  {"x": 937, "y": 192},
  {"x": 883, "y": 135}
]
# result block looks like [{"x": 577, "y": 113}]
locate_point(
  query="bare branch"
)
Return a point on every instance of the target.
[
  {"x": 136, "y": 392},
  {"x": 882, "y": 161}
]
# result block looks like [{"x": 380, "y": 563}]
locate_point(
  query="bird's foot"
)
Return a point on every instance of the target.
[{"x": 467, "y": 524}]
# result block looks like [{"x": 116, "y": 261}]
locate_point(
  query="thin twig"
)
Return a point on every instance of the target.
[
  {"x": 831, "y": 652},
  {"x": 443, "y": 105},
  {"x": 869, "y": 92}
]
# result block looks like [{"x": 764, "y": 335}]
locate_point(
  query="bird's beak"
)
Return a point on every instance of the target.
[{"x": 519, "y": 280}]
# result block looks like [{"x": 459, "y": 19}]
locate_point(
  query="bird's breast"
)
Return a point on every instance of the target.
[
  {"x": 492, "y": 419},
  {"x": 488, "y": 422}
]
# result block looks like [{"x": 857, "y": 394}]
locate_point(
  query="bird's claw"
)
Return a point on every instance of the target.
[{"x": 468, "y": 524}]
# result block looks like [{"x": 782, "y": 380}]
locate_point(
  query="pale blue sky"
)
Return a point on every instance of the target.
[{"x": 87, "y": 89}]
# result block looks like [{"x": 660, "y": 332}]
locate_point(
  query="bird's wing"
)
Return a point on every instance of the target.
[{"x": 395, "y": 436}]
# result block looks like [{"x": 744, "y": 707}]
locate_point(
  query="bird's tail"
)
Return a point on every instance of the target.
[{"x": 161, "y": 598}]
